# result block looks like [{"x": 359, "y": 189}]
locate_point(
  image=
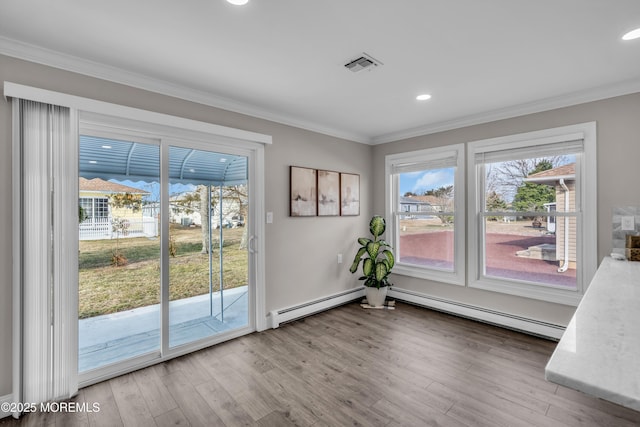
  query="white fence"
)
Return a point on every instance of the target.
[{"x": 101, "y": 228}]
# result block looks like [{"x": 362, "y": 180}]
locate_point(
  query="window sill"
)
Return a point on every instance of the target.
[
  {"x": 449, "y": 277},
  {"x": 554, "y": 295}
]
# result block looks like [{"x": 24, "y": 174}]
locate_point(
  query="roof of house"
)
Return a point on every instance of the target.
[
  {"x": 429, "y": 200},
  {"x": 567, "y": 172},
  {"x": 412, "y": 200},
  {"x": 100, "y": 185}
]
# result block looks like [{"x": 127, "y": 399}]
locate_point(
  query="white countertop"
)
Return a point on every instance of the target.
[{"x": 599, "y": 352}]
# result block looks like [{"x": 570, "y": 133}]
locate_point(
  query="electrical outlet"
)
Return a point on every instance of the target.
[
  {"x": 269, "y": 217},
  {"x": 628, "y": 223},
  {"x": 339, "y": 258}
]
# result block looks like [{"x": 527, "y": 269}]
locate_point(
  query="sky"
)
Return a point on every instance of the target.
[{"x": 419, "y": 182}]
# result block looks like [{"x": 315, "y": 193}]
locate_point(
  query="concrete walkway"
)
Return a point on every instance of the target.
[{"x": 118, "y": 336}]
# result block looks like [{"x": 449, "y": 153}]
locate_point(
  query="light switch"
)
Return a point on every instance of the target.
[{"x": 269, "y": 217}]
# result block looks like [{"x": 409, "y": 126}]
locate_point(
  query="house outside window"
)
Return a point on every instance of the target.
[
  {"x": 102, "y": 203},
  {"x": 425, "y": 207},
  {"x": 544, "y": 182}
]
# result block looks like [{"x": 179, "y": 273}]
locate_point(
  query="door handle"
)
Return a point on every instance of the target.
[{"x": 250, "y": 244}]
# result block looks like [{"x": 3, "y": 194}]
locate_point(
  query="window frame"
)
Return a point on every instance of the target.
[
  {"x": 586, "y": 179},
  {"x": 393, "y": 211}
]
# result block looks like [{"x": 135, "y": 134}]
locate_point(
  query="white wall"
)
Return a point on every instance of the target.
[
  {"x": 301, "y": 252},
  {"x": 618, "y": 133}
]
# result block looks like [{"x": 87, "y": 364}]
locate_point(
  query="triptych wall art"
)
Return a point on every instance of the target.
[{"x": 315, "y": 192}]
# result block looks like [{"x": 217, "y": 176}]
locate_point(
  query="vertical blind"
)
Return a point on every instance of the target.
[{"x": 47, "y": 279}]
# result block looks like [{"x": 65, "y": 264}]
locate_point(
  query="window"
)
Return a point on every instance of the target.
[
  {"x": 530, "y": 213},
  {"x": 532, "y": 204},
  {"x": 425, "y": 208},
  {"x": 101, "y": 207},
  {"x": 94, "y": 208}
]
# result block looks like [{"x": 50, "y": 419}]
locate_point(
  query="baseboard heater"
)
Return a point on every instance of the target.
[
  {"x": 288, "y": 314},
  {"x": 497, "y": 318},
  {"x": 6, "y": 403}
]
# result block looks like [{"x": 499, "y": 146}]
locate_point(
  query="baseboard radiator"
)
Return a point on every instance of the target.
[
  {"x": 505, "y": 320},
  {"x": 4, "y": 400},
  {"x": 288, "y": 314}
]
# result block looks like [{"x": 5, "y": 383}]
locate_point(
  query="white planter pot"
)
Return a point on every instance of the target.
[{"x": 376, "y": 296}]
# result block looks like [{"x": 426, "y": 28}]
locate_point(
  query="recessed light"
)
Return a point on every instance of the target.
[
  {"x": 634, "y": 34},
  {"x": 106, "y": 147},
  {"x": 223, "y": 160},
  {"x": 93, "y": 162},
  {"x": 192, "y": 170},
  {"x": 423, "y": 97},
  {"x": 238, "y": 2}
]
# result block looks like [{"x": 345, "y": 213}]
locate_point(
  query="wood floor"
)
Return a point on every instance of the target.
[{"x": 349, "y": 366}]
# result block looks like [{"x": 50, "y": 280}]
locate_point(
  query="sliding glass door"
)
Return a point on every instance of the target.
[
  {"x": 119, "y": 233},
  {"x": 164, "y": 249},
  {"x": 208, "y": 257}
]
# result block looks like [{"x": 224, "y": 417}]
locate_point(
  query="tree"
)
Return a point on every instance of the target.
[
  {"x": 444, "y": 201},
  {"x": 204, "y": 191},
  {"x": 120, "y": 226},
  {"x": 495, "y": 203},
  {"x": 444, "y": 192},
  {"x": 506, "y": 177},
  {"x": 531, "y": 197}
]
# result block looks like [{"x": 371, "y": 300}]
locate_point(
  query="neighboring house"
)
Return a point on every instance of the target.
[
  {"x": 99, "y": 214},
  {"x": 426, "y": 204},
  {"x": 563, "y": 179},
  {"x": 185, "y": 210},
  {"x": 411, "y": 205}
]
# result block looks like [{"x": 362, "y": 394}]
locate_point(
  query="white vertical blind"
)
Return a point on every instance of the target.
[{"x": 48, "y": 251}]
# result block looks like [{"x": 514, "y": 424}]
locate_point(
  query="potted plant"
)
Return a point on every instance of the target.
[{"x": 377, "y": 262}]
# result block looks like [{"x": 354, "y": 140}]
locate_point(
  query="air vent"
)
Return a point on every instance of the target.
[{"x": 362, "y": 63}]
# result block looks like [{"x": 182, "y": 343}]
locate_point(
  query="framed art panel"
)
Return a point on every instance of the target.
[
  {"x": 303, "y": 192},
  {"x": 349, "y": 194},
  {"x": 328, "y": 193}
]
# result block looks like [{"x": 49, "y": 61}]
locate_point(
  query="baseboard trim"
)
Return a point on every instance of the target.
[
  {"x": 278, "y": 317},
  {"x": 505, "y": 320},
  {"x": 3, "y": 401}
]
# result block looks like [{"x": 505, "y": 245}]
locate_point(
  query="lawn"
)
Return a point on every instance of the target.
[{"x": 105, "y": 289}]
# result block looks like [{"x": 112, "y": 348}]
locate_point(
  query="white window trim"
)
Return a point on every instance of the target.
[
  {"x": 457, "y": 277},
  {"x": 587, "y": 249}
]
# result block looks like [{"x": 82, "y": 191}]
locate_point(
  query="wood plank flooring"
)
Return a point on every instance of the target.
[{"x": 349, "y": 366}]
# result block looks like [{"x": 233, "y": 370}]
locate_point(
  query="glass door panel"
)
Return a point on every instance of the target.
[
  {"x": 119, "y": 232},
  {"x": 208, "y": 258}
]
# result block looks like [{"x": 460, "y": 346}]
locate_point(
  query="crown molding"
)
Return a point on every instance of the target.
[
  {"x": 566, "y": 100},
  {"x": 48, "y": 57},
  {"x": 32, "y": 53}
]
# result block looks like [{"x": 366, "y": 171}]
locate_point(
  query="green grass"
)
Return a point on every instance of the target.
[{"x": 108, "y": 289}]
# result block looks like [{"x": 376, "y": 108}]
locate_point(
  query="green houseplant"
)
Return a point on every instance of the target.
[{"x": 377, "y": 262}]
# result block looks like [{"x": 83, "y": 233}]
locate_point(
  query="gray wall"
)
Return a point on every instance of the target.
[
  {"x": 300, "y": 252},
  {"x": 618, "y": 133}
]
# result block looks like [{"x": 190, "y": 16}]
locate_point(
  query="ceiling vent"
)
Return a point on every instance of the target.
[{"x": 365, "y": 62}]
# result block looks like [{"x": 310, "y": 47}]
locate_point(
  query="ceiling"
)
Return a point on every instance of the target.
[{"x": 283, "y": 60}]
